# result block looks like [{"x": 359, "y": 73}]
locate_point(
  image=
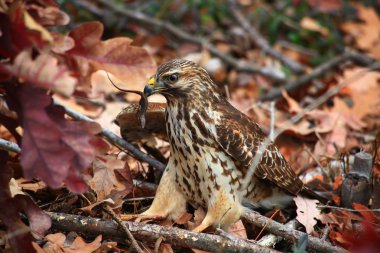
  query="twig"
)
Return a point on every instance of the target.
[
  {"x": 317, "y": 72},
  {"x": 263, "y": 228},
  {"x": 151, "y": 232},
  {"x": 116, "y": 140},
  {"x": 347, "y": 209},
  {"x": 157, "y": 25},
  {"x": 145, "y": 185},
  {"x": 270, "y": 240},
  {"x": 9, "y": 146},
  {"x": 279, "y": 229},
  {"x": 261, "y": 42},
  {"x": 133, "y": 241},
  {"x": 325, "y": 171},
  {"x": 138, "y": 199}
]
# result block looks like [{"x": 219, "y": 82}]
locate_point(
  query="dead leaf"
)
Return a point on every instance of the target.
[
  {"x": 57, "y": 243},
  {"x": 312, "y": 25},
  {"x": 53, "y": 148},
  {"x": 105, "y": 180},
  {"x": 366, "y": 33},
  {"x": 43, "y": 72},
  {"x": 294, "y": 106},
  {"x": 364, "y": 91},
  {"x": 132, "y": 65},
  {"x": 307, "y": 213},
  {"x": 238, "y": 230},
  {"x": 49, "y": 15},
  {"x": 184, "y": 218}
]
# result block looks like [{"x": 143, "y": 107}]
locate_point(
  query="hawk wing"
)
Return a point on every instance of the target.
[{"x": 241, "y": 138}]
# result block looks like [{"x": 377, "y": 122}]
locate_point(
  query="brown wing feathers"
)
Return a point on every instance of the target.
[{"x": 241, "y": 138}]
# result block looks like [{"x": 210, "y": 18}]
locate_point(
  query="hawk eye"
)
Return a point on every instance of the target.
[{"x": 173, "y": 77}]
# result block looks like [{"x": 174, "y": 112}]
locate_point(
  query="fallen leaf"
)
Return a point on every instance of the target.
[
  {"x": 184, "y": 218},
  {"x": 105, "y": 180},
  {"x": 307, "y": 213},
  {"x": 49, "y": 15},
  {"x": 312, "y": 25},
  {"x": 237, "y": 229},
  {"x": 366, "y": 33},
  {"x": 53, "y": 148},
  {"x": 39, "y": 221},
  {"x": 57, "y": 243},
  {"x": 294, "y": 106},
  {"x": 44, "y": 72},
  {"x": 133, "y": 65}
]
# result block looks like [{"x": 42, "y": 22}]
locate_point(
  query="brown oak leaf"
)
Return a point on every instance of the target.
[
  {"x": 44, "y": 72},
  {"x": 133, "y": 65}
]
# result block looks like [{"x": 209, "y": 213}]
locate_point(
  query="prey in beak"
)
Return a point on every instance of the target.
[{"x": 154, "y": 87}]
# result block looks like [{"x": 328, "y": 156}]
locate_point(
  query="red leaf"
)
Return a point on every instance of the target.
[
  {"x": 21, "y": 238},
  {"x": 133, "y": 65},
  {"x": 19, "y": 31},
  {"x": 366, "y": 213},
  {"x": 53, "y": 148},
  {"x": 43, "y": 72},
  {"x": 39, "y": 221}
]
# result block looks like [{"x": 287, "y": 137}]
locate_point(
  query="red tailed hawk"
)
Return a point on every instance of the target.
[{"x": 213, "y": 147}]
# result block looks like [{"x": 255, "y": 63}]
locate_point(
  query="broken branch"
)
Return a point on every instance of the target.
[
  {"x": 320, "y": 70},
  {"x": 151, "y": 232},
  {"x": 290, "y": 234}
]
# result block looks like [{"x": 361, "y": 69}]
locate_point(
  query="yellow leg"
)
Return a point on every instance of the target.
[
  {"x": 169, "y": 201},
  {"x": 223, "y": 211}
]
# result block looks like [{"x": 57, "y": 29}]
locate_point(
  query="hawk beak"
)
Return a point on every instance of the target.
[
  {"x": 153, "y": 87},
  {"x": 149, "y": 88}
]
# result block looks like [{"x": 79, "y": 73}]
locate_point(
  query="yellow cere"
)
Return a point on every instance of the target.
[{"x": 151, "y": 82}]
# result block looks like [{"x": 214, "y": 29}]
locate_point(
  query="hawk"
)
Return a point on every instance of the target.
[{"x": 213, "y": 148}]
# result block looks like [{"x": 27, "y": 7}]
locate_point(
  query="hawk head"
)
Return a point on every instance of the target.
[{"x": 181, "y": 79}]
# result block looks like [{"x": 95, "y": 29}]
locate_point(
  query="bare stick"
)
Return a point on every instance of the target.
[
  {"x": 261, "y": 42},
  {"x": 116, "y": 140},
  {"x": 347, "y": 209},
  {"x": 133, "y": 241},
  {"x": 157, "y": 25},
  {"x": 290, "y": 234},
  {"x": 151, "y": 232},
  {"x": 317, "y": 72}
]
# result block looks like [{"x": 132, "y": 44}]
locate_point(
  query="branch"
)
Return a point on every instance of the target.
[
  {"x": 347, "y": 209},
  {"x": 358, "y": 58},
  {"x": 150, "y": 232},
  {"x": 290, "y": 234},
  {"x": 159, "y": 26},
  {"x": 9, "y": 146},
  {"x": 133, "y": 241},
  {"x": 261, "y": 42},
  {"x": 117, "y": 141}
]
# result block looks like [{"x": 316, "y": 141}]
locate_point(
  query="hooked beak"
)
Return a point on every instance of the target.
[{"x": 153, "y": 87}]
